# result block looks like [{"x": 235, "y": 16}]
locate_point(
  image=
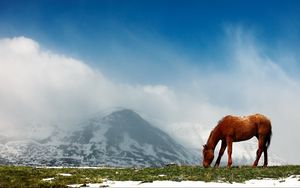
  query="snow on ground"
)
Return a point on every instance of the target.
[
  {"x": 48, "y": 179},
  {"x": 64, "y": 174},
  {"x": 292, "y": 181}
]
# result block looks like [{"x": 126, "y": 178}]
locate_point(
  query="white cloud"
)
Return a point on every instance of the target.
[
  {"x": 156, "y": 89},
  {"x": 37, "y": 84},
  {"x": 41, "y": 86}
]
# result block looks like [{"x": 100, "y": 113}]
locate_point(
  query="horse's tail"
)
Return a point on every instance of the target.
[{"x": 268, "y": 137}]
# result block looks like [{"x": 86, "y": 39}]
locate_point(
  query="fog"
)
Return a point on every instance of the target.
[{"x": 40, "y": 87}]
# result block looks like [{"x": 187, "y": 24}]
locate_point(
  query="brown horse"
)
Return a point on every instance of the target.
[{"x": 234, "y": 129}]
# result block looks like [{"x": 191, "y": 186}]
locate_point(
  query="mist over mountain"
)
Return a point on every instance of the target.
[{"x": 121, "y": 138}]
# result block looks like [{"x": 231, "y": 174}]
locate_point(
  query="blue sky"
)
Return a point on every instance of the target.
[
  {"x": 184, "y": 63},
  {"x": 95, "y": 31}
]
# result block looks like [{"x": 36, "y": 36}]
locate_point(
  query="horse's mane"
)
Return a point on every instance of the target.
[
  {"x": 210, "y": 134},
  {"x": 219, "y": 122},
  {"x": 213, "y": 130}
]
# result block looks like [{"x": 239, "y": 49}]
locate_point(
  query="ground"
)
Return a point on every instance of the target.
[{"x": 19, "y": 176}]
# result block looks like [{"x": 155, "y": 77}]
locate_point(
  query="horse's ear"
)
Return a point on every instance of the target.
[{"x": 205, "y": 146}]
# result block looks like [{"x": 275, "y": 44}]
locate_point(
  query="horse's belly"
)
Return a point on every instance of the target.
[
  {"x": 243, "y": 136},
  {"x": 242, "y": 139}
]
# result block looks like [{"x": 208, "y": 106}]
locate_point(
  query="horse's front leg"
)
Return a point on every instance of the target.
[
  {"x": 222, "y": 149},
  {"x": 229, "y": 151}
]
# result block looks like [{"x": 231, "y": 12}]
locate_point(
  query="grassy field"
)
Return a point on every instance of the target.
[{"x": 17, "y": 176}]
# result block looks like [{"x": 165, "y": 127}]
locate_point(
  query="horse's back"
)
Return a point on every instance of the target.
[
  {"x": 236, "y": 127},
  {"x": 245, "y": 127}
]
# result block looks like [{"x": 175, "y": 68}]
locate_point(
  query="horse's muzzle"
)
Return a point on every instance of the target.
[{"x": 206, "y": 165}]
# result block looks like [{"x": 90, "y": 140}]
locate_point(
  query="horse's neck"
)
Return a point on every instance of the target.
[{"x": 213, "y": 139}]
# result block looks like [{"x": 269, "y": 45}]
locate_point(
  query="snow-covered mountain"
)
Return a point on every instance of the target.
[{"x": 121, "y": 138}]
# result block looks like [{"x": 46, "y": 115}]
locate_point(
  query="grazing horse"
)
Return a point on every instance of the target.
[{"x": 234, "y": 129}]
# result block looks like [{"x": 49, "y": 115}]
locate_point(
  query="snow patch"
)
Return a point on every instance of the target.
[
  {"x": 48, "y": 179},
  {"x": 64, "y": 174},
  {"x": 292, "y": 181}
]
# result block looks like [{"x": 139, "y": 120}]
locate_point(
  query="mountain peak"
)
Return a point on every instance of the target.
[{"x": 125, "y": 113}]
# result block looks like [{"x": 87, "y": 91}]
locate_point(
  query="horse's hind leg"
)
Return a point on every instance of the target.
[
  {"x": 265, "y": 156},
  {"x": 261, "y": 146},
  {"x": 222, "y": 149},
  {"x": 229, "y": 151}
]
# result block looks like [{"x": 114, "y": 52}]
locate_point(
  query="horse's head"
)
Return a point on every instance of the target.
[{"x": 208, "y": 156}]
